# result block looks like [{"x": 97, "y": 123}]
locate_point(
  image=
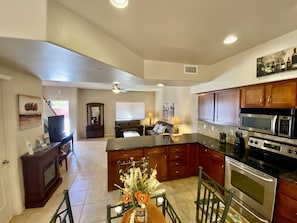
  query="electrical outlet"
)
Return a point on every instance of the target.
[
  {"x": 204, "y": 126},
  {"x": 212, "y": 128}
]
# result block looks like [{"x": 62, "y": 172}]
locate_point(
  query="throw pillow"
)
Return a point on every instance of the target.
[
  {"x": 162, "y": 129},
  {"x": 156, "y": 127}
]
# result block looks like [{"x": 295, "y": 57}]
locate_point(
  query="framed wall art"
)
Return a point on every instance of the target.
[
  {"x": 168, "y": 111},
  {"x": 281, "y": 61},
  {"x": 30, "y": 108}
]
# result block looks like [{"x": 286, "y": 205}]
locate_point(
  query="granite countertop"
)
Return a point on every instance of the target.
[{"x": 227, "y": 149}]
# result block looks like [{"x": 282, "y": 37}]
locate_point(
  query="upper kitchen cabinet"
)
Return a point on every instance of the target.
[
  {"x": 206, "y": 107},
  {"x": 280, "y": 94},
  {"x": 221, "y": 107},
  {"x": 227, "y": 107}
]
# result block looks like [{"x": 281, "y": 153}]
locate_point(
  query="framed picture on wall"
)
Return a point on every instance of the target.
[
  {"x": 30, "y": 108},
  {"x": 168, "y": 111}
]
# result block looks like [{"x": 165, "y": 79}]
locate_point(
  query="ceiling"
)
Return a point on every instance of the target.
[{"x": 187, "y": 31}]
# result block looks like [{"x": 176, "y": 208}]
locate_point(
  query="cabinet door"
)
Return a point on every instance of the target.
[
  {"x": 203, "y": 157},
  {"x": 216, "y": 166},
  {"x": 206, "y": 107},
  {"x": 227, "y": 107},
  {"x": 252, "y": 96},
  {"x": 158, "y": 159},
  {"x": 194, "y": 159},
  {"x": 286, "y": 202},
  {"x": 281, "y": 94},
  {"x": 113, "y": 157}
]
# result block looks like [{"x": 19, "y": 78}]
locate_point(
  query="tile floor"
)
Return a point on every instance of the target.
[{"x": 86, "y": 180}]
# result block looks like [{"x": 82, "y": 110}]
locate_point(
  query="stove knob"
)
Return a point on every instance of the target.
[
  {"x": 251, "y": 141},
  {"x": 290, "y": 151},
  {"x": 256, "y": 142},
  {"x": 295, "y": 152}
]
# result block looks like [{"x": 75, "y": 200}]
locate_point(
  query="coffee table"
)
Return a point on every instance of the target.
[{"x": 130, "y": 134}]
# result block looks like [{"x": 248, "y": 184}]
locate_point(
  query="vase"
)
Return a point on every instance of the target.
[{"x": 141, "y": 215}]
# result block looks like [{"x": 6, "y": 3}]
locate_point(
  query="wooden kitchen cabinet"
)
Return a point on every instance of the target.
[
  {"x": 221, "y": 107},
  {"x": 286, "y": 202},
  {"x": 206, "y": 107},
  {"x": 194, "y": 151},
  {"x": 215, "y": 166},
  {"x": 227, "y": 107},
  {"x": 280, "y": 94},
  {"x": 113, "y": 157},
  {"x": 178, "y": 162},
  {"x": 158, "y": 159},
  {"x": 213, "y": 163}
]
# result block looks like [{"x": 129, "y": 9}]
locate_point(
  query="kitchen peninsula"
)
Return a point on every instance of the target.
[{"x": 176, "y": 156}]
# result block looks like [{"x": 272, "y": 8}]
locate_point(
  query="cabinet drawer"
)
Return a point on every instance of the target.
[
  {"x": 178, "y": 156},
  {"x": 177, "y": 163},
  {"x": 177, "y": 149},
  {"x": 125, "y": 155},
  {"x": 178, "y": 172},
  {"x": 152, "y": 151},
  {"x": 214, "y": 155}
]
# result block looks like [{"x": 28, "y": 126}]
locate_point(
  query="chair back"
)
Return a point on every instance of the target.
[
  {"x": 143, "y": 164},
  {"x": 63, "y": 214},
  {"x": 213, "y": 200}
]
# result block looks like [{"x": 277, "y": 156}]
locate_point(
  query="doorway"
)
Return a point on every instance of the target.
[
  {"x": 62, "y": 108},
  {"x": 6, "y": 212}
]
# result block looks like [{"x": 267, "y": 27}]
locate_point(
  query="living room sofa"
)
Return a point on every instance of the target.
[
  {"x": 123, "y": 126},
  {"x": 164, "y": 127}
]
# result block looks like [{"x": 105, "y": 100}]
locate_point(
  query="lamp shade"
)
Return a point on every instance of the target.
[
  {"x": 150, "y": 115},
  {"x": 175, "y": 120}
]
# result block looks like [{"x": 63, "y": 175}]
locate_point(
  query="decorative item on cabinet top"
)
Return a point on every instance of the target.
[{"x": 281, "y": 61}]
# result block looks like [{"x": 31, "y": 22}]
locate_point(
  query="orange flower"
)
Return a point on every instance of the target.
[
  {"x": 126, "y": 198},
  {"x": 142, "y": 198}
]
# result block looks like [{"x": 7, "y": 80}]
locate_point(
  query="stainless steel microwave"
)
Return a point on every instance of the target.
[{"x": 280, "y": 122}]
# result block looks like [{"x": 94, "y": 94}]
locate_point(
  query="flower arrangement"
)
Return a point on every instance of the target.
[{"x": 138, "y": 185}]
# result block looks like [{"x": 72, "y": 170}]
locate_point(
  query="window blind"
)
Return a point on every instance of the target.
[{"x": 130, "y": 111}]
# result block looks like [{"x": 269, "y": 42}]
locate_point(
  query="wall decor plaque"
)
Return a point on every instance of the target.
[
  {"x": 281, "y": 61},
  {"x": 30, "y": 108}
]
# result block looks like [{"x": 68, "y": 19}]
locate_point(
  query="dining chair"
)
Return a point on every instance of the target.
[
  {"x": 63, "y": 214},
  {"x": 213, "y": 200}
]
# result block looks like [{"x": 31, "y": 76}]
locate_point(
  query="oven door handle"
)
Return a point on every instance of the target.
[{"x": 250, "y": 172}]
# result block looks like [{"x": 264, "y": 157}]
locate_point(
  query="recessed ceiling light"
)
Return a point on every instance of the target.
[
  {"x": 120, "y": 3},
  {"x": 230, "y": 39},
  {"x": 160, "y": 85}
]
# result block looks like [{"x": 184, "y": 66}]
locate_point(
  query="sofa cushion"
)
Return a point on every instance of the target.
[
  {"x": 161, "y": 129},
  {"x": 156, "y": 127}
]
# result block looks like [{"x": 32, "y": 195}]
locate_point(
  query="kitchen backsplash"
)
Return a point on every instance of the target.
[{"x": 213, "y": 131}]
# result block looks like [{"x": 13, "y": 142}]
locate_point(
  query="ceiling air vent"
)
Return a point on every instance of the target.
[{"x": 190, "y": 69}]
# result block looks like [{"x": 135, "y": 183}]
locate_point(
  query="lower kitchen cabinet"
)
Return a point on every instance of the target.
[
  {"x": 194, "y": 151},
  {"x": 286, "y": 202},
  {"x": 113, "y": 158},
  {"x": 158, "y": 159},
  {"x": 213, "y": 163},
  {"x": 215, "y": 166},
  {"x": 178, "y": 162}
]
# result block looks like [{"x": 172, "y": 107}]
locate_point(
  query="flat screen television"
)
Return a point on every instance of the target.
[{"x": 56, "y": 127}]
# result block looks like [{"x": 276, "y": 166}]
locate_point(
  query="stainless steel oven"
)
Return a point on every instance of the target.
[
  {"x": 255, "y": 189},
  {"x": 253, "y": 176}
]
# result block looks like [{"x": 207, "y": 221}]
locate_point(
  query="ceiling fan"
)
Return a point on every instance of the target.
[{"x": 116, "y": 88}]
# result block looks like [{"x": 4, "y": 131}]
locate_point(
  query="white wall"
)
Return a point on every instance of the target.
[
  {"x": 20, "y": 83},
  {"x": 185, "y": 106},
  {"x": 240, "y": 69}
]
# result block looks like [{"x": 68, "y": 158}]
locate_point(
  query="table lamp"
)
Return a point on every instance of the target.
[
  {"x": 150, "y": 115},
  {"x": 175, "y": 121}
]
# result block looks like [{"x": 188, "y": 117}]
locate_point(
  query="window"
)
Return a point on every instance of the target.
[{"x": 130, "y": 111}]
